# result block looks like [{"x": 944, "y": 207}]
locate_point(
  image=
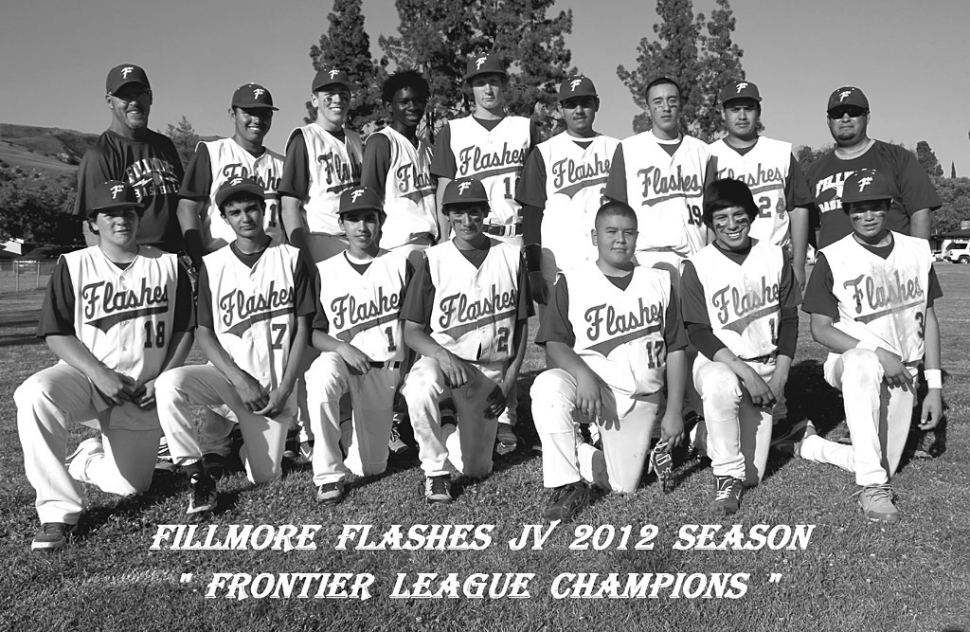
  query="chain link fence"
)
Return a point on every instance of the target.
[{"x": 23, "y": 275}]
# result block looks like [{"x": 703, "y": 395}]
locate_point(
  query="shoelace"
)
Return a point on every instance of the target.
[
  {"x": 725, "y": 490},
  {"x": 884, "y": 490}
]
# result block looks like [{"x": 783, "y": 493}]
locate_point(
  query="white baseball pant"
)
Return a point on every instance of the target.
[
  {"x": 177, "y": 390},
  {"x": 53, "y": 398},
  {"x": 738, "y": 432},
  {"x": 371, "y": 395},
  {"x": 878, "y": 418},
  {"x": 565, "y": 459},
  {"x": 469, "y": 446}
]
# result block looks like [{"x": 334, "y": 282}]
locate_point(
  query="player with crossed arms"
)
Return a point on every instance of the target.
[
  {"x": 466, "y": 314},
  {"x": 613, "y": 331},
  {"x": 254, "y": 307},
  {"x": 871, "y": 298},
  {"x": 359, "y": 336},
  {"x": 117, "y": 315}
]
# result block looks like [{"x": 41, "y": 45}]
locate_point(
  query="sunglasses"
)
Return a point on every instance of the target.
[
  {"x": 578, "y": 102},
  {"x": 853, "y": 111}
]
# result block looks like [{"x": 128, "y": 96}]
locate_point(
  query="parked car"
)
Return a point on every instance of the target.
[{"x": 959, "y": 253}]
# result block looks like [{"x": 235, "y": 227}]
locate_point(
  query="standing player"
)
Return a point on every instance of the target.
[
  {"x": 471, "y": 295},
  {"x": 913, "y": 196},
  {"x": 397, "y": 165},
  {"x": 359, "y": 335},
  {"x": 613, "y": 331},
  {"x": 871, "y": 299},
  {"x": 130, "y": 152},
  {"x": 562, "y": 187},
  {"x": 254, "y": 312},
  {"x": 769, "y": 169},
  {"x": 662, "y": 173},
  {"x": 116, "y": 315},
  {"x": 739, "y": 302},
  {"x": 214, "y": 162},
  {"x": 323, "y": 159},
  {"x": 491, "y": 147}
]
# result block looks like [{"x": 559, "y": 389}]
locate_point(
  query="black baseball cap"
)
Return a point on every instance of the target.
[
  {"x": 740, "y": 90},
  {"x": 122, "y": 75},
  {"x": 113, "y": 194},
  {"x": 360, "y": 199},
  {"x": 331, "y": 76},
  {"x": 848, "y": 95},
  {"x": 252, "y": 95},
  {"x": 489, "y": 64},
  {"x": 865, "y": 185},
  {"x": 576, "y": 86},
  {"x": 238, "y": 185},
  {"x": 464, "y": 191}
]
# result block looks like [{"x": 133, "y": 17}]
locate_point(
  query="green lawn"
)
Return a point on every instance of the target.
[{"x": 852, "y": 575}]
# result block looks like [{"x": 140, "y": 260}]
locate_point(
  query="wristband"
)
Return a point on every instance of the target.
[
  {"x": 934, "y": 378},
  {"x": 533, "y": 257},
  {"x": 867, "y": 345}
]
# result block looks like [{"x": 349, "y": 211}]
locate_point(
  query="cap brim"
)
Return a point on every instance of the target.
[
  {"x": 319, "y": 87},
  {"x": 129, "y": 82},
  {"x": 478, "y": 73},
  {"x": 255, "y": 106},
  {"x": 222, "y": 196}
]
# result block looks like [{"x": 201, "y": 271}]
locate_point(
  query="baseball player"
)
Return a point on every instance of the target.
[
  {"x": 769, "y": 169},
  {"x": 613, "y": 331},
  {"x": 360, "y": 337},
  {"x": 561, "y": 189},
  {"x": 739, "y": 302},
  {"x": 491, "y": 147},
  {"x": 254, "y": 322},
  {"x": 871, "y": 298},
  {"x": 323, "y": 159},
  {"x": 913, "y": 195},
  {"x": 213, "y": 164},
  {"x": 129, "y": 151},
  {"x": 471, "y": 296},
  {"x": 116, "y": 315},
  {"x": 397, "y": 165},
  {"x": 662, "y": 173}
]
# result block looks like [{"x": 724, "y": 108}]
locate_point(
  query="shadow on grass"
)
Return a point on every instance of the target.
[{"x": 165, "y": 485}]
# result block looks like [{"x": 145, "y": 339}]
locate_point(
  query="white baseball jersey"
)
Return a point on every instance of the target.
[
  {"x": 228, "y": 160},
  {"x": 495, "y": 158},
  {"x": 667, "y": 192},
  {"x": 334, "y": 166},
  {"x": 575, "y": 180},
  {"x": 409, "y": 192},
  {"x": 254, "y": 309},
  {"x": 765, "y": 169},
  {"x": 743, "y": 301},
  {"x": 620, "y": 333},
  {"x": 125, "y": 316},
  {"x": 475, "y": 309},
  {"x": 882, "y": 302},
  {"x": 363, "y": 309}
]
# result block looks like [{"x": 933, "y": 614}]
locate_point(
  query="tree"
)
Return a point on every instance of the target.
[
  {"x": 927, "y": 159},
  {"x": 699, "y": 54},
  {"x": 185, "y": 139},
  {"x": 38, "y": 209},
  {"x": 953, "y": 169},
  {"x": 955, "y": 195},
  {"x": 807, "y": 156},
  {"x": 347, "y": 46},
  {"x": 437, "y": 38}
]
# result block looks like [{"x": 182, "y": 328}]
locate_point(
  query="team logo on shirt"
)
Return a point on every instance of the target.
[
  {"x": 113, "y": 305},
  {"x": 268, "y": 179},
  {"x": 475, "y": 160},
  {"x": 350, "y": 316},
  {"x": 414, "y": 184},
  {"x": 758, "y": 179},
  {"x": 828, "y": 192},
  {"x": 460, "y": 314},
  {"x": 881, "y": 298},
  {"x": 658, "y": 187},
  {"x": 569, "y": 177},
  {"x": 739, "y": 307},
  {"x": 151, "y": 177},
  {"x": 621, "y": 326},
  {"x": 339, "y": 174},
  {"x": 239, "y": 311}
]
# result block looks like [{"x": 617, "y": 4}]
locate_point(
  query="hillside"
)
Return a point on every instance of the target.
[{"x": 43, "y": 148}]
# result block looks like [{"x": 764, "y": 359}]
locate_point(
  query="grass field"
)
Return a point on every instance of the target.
[{"x": 852, "y": 575}]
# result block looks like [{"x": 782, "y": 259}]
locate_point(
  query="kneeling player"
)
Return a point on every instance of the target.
[
  {"x": 254, "y": 322},
  {"x": 117, "y": 315},
  {"x": 871, "y": 298},
  {"x": 739, "y": 303},
  {"x": 470, "y": 294},
  {"x": 613, "y": 328},
  {"x": 359, "y": 336}
]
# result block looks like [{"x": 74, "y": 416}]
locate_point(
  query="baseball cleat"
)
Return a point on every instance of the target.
[
  {"x": 51, "y": 536},
  {"x": 877, "y": 503},
  {"x": 567, "y": 501},
  {"x": 77, "y": 462},
  {"x": 505, "y": 439},
  {"x": 437, "y": 490},
  {"x": 306, "y": 451},
  {"x": 394, "y": 443},
  {"x": 331, "y": 493},
  {"x": 727, "y": 495},
  {"x": 698, "y": 436},
  {"x": 791, "y": 441},
  {"x": 215, "y": 464},
  {"x": 203, "y": 498},
  {"x": 662, "y": 464}
]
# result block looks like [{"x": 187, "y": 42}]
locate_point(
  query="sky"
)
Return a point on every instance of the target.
[{"x": 904, "y": 55}]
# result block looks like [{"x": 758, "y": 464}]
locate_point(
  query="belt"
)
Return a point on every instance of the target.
[
  {"x": 504, "y": 230},
  {"x": 762, "y": 359},
  {"x": 390, "y": 364}
]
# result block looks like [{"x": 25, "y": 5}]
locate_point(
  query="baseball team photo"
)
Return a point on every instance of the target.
[{"x": 512, "y": 315}]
